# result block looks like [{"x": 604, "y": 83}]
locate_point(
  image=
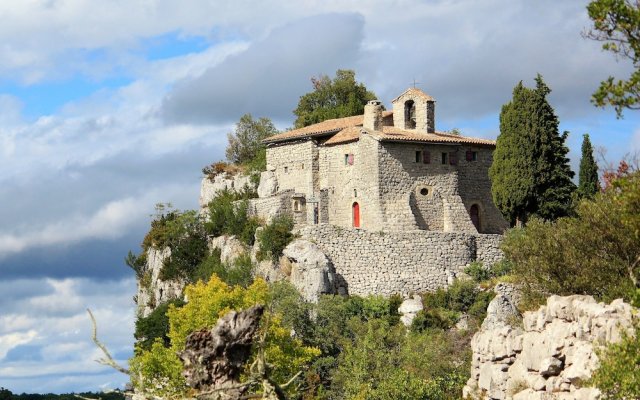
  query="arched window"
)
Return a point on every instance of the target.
[
  {"x": 409, "y": 114},
  {"x": 474, "y": 213},
  {"x": 356, "y": 214}
]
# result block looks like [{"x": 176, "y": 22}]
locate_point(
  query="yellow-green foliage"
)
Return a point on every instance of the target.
[
  {"x": 207, "y": 302},
  {"x": 158, "y": 372}
]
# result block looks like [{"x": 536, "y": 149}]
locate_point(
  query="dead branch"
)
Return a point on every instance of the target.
[{"x": 107, "y": 359}]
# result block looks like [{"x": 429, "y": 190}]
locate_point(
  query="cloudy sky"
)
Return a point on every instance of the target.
[{"x": 108, "y": 107}]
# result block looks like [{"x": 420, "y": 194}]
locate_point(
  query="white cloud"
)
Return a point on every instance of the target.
[
  {"x": 11, "y": 340},
  {"x": 38, "y": 340}
]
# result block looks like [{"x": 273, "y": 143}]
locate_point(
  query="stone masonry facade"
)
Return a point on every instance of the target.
[{"x": 403, "y": 263}]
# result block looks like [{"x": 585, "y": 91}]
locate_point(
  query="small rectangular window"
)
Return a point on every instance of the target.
[
  {"x": 418, "y": 156},
  {"x": 426, "y": 157},
  {"x": 453, "y": 158},
  {"x": 286, "y": 170},
  {"x": 445, "y": 158},
  {"x": 472, "y": 155},
  {"x": 346, "y": 159}
]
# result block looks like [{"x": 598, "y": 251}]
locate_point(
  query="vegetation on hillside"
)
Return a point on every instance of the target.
[{"x": 6, "y": 394}]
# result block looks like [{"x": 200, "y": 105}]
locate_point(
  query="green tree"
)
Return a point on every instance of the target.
[
  {"x": 597, "y": 252},
  {"x": 530, "y": 173},
  {"x": 588, "y": 184},
  {"x": 245, "y": 142},
  {"x": 616, "y": 23},
  {"x": 339, "y": 97}
]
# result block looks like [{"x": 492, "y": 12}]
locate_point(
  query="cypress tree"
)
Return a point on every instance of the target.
[
  {"x": 530, "y": 173},
  {"x": 588, "y": 183}
]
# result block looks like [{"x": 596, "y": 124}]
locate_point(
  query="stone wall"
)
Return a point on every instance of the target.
[
  {"x": 347, "y": 184},
  {"x": 404, "y": 175},
  {"x": 270, "y": 207},
  {"x": 398, "y": 262},
  {"x": 550, "y": 356},
  {"x": 292, "y": 164},
  {"x": 474, "y": 187}
]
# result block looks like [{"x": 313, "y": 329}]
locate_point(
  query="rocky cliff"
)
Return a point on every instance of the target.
[{"x": 549, "y": 353}]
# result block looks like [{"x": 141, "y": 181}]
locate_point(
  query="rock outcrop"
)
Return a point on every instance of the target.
[
  {"x": 230, "y": 248},
  {"x": 210, "y": 187},
  {"x": 550, "y": 355},
  {"x": 311, "y": 271},
  {"x": 409, "y": 309},
  {"x": 151, "y": 289},
  {"x": 268, "y": 184}
]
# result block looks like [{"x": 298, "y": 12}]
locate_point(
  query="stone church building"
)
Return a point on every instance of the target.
[{"x": 382, "y": 171}]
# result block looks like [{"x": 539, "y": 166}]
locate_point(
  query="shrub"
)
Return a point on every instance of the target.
[
  {"x": 478, "y": 272},
  {"x": 437, "y": 318},
  {"x": 155, "y": 326},
  {"x": 594, "y": 253},
  {"x": 618, "y": 376},
  {"x": 228, "y": 216},
  {"x": 274, "y": 237},
  {"x": 240, "y": 272}
]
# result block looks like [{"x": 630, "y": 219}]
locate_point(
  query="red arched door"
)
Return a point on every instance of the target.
[
  {"x": 356, "y": 215},
  {"x": 474, "y": 213}
]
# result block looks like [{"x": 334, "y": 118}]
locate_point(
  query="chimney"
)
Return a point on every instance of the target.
[{"x": 373, "y": 115}]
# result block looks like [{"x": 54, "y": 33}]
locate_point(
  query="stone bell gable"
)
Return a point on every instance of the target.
[
  {"x": 382, "y": 171},
  {"x": 414, "y": 109}
]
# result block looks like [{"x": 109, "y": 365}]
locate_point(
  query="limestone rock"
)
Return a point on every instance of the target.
[
  {"x": 499, "y": 313},
  {"x": 153, "y": 291},
  {"x": 210, "y": 188},
  {"x": 268, "y": 184},
  {"x": 230, "y": 248},
  {"x": 409, "y": 309},
  {"x": 311, "y": 271},
  {"x": 551, "y": 356}
]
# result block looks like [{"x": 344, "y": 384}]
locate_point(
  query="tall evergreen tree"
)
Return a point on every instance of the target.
[
  {"x": 588, "y": 183},
  {"x": 530, "y": 174}
]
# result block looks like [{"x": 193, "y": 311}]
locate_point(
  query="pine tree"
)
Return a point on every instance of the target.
[
  {"x": 588, "y": 184},
  {"x": 530, "y": 173}
]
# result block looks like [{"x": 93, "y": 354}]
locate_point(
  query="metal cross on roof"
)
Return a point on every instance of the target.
[{"x": 415, "y": 83}]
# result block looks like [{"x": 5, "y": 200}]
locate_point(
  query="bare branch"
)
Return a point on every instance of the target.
[{"x": 108, "y": 359}]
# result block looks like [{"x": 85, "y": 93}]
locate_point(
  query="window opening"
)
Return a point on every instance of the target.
[
  {"x": 474, "y": 213},
  {"x": 445, "y": 158},
  {"x": 409, "y": 115},
  {"x": 418, "y": 156},
  {"x": 424, "y": 191}
]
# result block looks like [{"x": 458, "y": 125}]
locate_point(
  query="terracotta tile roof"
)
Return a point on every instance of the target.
[
  {"x": 322, "y": 128},
  {"x": 393, "y": 134},
  {"x": 346, "y": 135},
  {"x": 415, "y": 92}
]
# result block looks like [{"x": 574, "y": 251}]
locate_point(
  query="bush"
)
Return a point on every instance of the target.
[
  {"x": 226, "y": 217},
  {"x": 437, "y": 318},
  {"x": 239, "y": 273},
  {"x": 155, "y": 326},
  {"x": 274, "y": 237},
  {"x": 478, "y": 272},
  {"x": 594, "y": 253},
  {"x": 618, "y": 376}
]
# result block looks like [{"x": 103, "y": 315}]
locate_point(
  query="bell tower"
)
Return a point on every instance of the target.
[{"x": 414, "y": 109}]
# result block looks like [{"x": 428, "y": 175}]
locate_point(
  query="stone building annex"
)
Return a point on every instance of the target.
[{"x": 395, "y": 206}]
